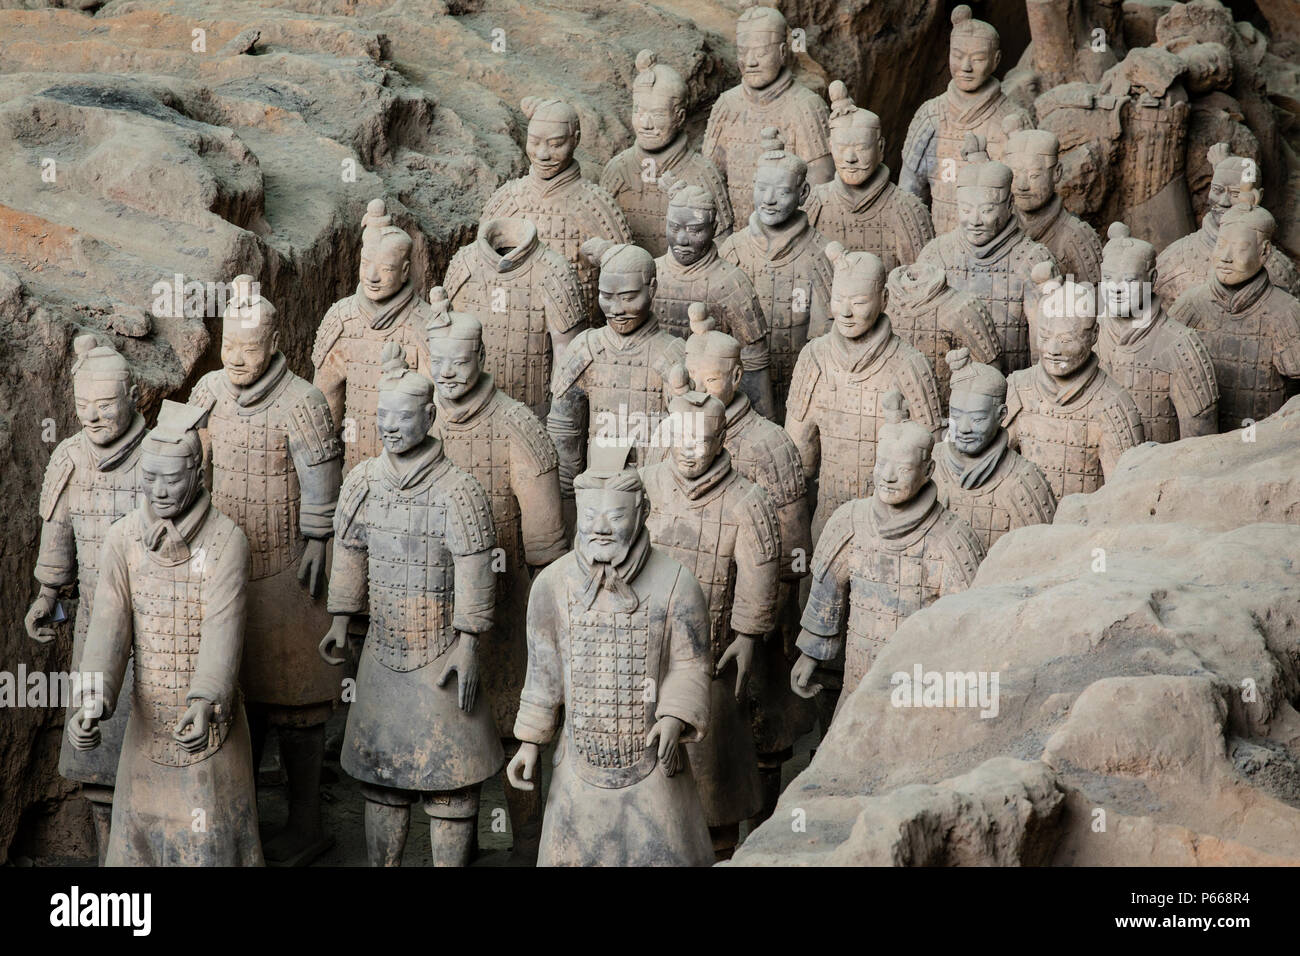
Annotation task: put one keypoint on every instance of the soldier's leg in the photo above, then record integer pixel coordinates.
(388, 818)
(525, 809)
(101, 814)
(453, 823)
(769, 783)
(302, 748)
(725, 838)
(258, 728)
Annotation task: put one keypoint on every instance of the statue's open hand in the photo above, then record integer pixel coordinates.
(667, 732)
(197, 717)
(311, 571)
(740, 650)
(801, 674)
(522, 766)
(335, 639)
(40, 618)
(464, 661)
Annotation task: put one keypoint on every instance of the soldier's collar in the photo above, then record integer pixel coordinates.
(470, 404)
(416, 468)
(634, 339)
(764, 97)
(1063, 391)
(169, 538)
(915, 291)
(701, 264)
(856, 354)
(1236, 299)
(669, 156)
(971, 472)
(561, 179)
(860, 198)
(997, 247)
(519, 235)
(382, 315)
(255, 394)
(1037, 223)
(615, 578)
(898, 521)
(107, 457)
(974, 107)
(776, 242)
(714, 475)
(1123, 331)
(740, 407)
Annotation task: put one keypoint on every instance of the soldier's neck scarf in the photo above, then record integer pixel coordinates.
(380, 315)
(620, 342)
(856, 354)
(859, 198)
(1062, 391)
(615, 578)
(897, 521)
(997, 247)
(108, 457)
(970, 109)
(560, 180)
(415, 467)
(468, 406)
(1124, 331)
(776, 242)
(169, 538)
(1235, 299)
(973, 472)
(1040, 221)
(740, 407)
(666, 158)
(696, 488)
(255, 394)
(518, 238)
(764, 97)
(702, 264)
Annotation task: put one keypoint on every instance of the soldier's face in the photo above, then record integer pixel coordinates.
(550, 146)
(973, 420)
(1065, 343)
(982, 212)
(625, 300)
(1033, 181)
(104, 408)
(247, 347)
(384, 270)
(1237, 254)
(777, 194)
(717, 376)
(457, 365)
(404, 421)
(902, 469)
(608, 523)
(761, 55)
(1225, 192)
(656, 120)
(1125, 287)
(169, 482)
(971, 61)
(690, 233)
(856, 301)
(697, 439)
(857, 151)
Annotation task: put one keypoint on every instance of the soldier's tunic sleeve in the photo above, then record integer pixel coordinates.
(1014, 407)
(819, 299)
(970, 324)
(788, 491)
(566, 422)
(684, 689)
(919, 152)
(471, 536)
(1286, 339)
(331, 373)
(204, 396)
(1121, 429)
(964, 552)
(535, 478)
(56, 561)
(1194, 391)
(318, 459)
(221, 632)
(543, 693)
(612, 179)
(112, 629)
(758, 566)
(748, 325)
(811, 127)
(800, 420)
(917, 383)
(562, 297)
(823, 616)
(349, 578)
(914, 229)
(711, 146)
(724, 219)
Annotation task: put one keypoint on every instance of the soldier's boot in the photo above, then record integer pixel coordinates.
(525, 809)
(101, 815)
(303, 839)
(769, 784)
(388, 818)
(453, 825)
(725, 838)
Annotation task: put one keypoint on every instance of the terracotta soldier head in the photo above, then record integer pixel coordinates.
(1232, 174)
(712, 358)
(553, 135)
(406, 409)
(249, 337)
(455, 348)
(857, 141)
(1245, 238)
(385, 254)
(658, 102)
(978, 403)
(857, 290)
(626, 288)
(1067, 322)
(983, 193)
(171, 460)
(974, 50)
(780, 182)
(762, 44)
(611, 506)
(699, 426)
(692, 219)
(1209, 67)
(1033, 156)
(1128, 271)
(102, 389)
(903, 447)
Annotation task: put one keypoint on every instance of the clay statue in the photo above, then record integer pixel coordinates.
(768, 96)
(783, 255)
(882, 558)
(618, 637)
(1161, 363)
(841, 377)
(860, 207)
(530, 303)
(980, 479)
(1250, 326)
(723, 528)
(171, 595)
(505, 447)
(632, 177)
(565, 208)
(1033, 155)
(933, 152)
(413, 542)
(1063, 46)
(936, 319)
(762, 451)
(612, 386)
(276, 466)
(988, 254)
(385, 308)
(1187, 262)
(693, 271)
(1066, 414)
(90, 482)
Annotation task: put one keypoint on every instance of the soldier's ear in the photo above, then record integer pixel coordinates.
(785, 52)
(929, 467)
(1002, 412)
(737, 373)
(651, 286)
(997, 58)
(679, 115)
(577, 136)
(1265, 247)
(406, 268)
(133, 394)
(803, 193)
(275, 340)
(1057, 172)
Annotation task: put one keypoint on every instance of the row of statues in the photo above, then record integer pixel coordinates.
(650, 478)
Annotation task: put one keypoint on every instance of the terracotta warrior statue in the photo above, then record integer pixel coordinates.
(276, 465)
(171, 595)
(842, 377)
(936, 319)
(989, 254)
(530, 303)
(783, 255)
(90, 482)
(763, 452)
(724, 529)
(1033, 156)
(612, 386)
(693, 271)
(1161, 363)
(1250, 326)
(565, 208)
(385, 308)
(933, 152)
(860, 207)
(881, 559)
(632, 177)
(1066, 414)
(413, 542)
(505, 447)
(980, 479)
(618, 638)
(767, 96)
(1189, 261)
